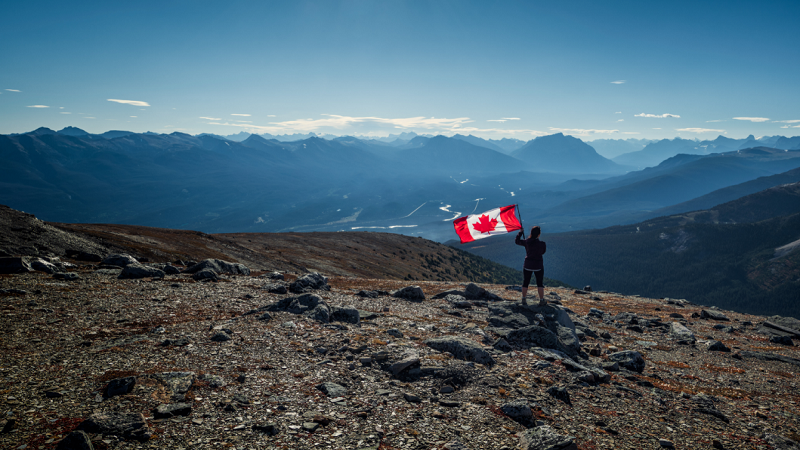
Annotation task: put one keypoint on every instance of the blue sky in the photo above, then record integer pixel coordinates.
(593, 69)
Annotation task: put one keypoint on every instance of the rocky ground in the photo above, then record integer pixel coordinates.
(177, 361)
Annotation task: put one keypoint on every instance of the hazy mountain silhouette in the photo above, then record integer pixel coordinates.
(611, 148)
(566, 154)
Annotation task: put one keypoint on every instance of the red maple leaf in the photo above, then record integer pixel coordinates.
(484, 225)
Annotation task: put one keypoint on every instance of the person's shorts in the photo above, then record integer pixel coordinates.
(539, 277)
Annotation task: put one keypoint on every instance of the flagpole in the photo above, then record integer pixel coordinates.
(520, 220)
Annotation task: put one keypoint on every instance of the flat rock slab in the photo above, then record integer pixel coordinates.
(76, 440)
(679, 331)
(461, 348)
(172, 410)
(629, 359)
(713, 315)
(332, 389)
(130, 426)
(545, 438)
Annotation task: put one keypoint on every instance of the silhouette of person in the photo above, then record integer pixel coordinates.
(534, 264)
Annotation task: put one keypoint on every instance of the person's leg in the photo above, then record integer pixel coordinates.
(540, 286)
(526, 281)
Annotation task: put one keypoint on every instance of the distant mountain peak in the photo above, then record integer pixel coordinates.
(42, 131)
(72, 131)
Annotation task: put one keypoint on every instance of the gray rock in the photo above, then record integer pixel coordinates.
(332, 389)
(276, 276)
(321, 313)
(169, 269)
(178, 383)
(66, 276)
(779, 442)
(394, 332)
(782, 340)
(502, 345)
(461, 348)
(346, 314)
(310, 426)
(135, 271)
(717, 346)
(410, 359)
(545, 438)
(76, 440)
(713, 315)
(220, 337)
(517, 409)
(266, 317)
(412, 293)
(559, 393)
(172, 410)
(43, 266)
(270, 429)
(274, 288)
(130, 426)
(219, 266)
(513, 321)
(309, 282)
(120, 386)
(214, 381)
(679, 331)
(119, 260)
(612, 367)
(205, 275)
(628, 359)
(542, 337)
(411, 398)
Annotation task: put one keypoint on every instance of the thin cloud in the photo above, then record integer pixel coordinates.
(134, 116)
(13, 90)
(619, 82)
(656, 128)
(715, 121)
(38, 106)
(129, 102)
(618, 112)
(630, 132)
(621, 120)
(210, 118)
(90, 117)
(657, 116)
(581, 131)
(786, 121)
(270, 115)
(241, 115)
(700, 130)
(511, 118)
(752, 119)
(62, 112)
(496, 120)
(791, 126)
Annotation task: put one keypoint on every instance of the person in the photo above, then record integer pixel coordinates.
(534, 264)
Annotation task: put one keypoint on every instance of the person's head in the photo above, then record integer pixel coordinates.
(535, 231)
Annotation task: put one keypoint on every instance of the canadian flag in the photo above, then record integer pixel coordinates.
(490, 223)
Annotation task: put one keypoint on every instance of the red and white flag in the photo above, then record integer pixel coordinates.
(490, 223)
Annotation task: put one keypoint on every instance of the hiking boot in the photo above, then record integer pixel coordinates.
(525, 302)
(542, 302)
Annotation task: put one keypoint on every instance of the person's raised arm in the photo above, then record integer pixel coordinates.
(518, 240)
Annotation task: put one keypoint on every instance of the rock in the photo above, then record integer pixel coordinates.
(512, 321)
(782, 340)
(628, 359)
(135, 271)
(43, 266)
(321, 313)
(80, 255)
(119, 260)
(612, 367)
(266, 317)
(502, 345)
(332, 389)
(779, 442)
(219, 266)
(131, 426)
(605, 335)
(175, 409)
(676, 316)
(372, 294)
(713, 315)
(177, 342)
(310, 426)
(76, 440)
(309, 282)
(455, 445)
(205, 275)
(178, 383)
(666, 443)
(411, 398)
(679, 331)
(346, 314)
(120, 386)
(221, 337)
(66, 276)
(585, 376)
(587, 288)
(447, 390)
(517, 409)
(542, 337)
(169, 269)
(394, 332)
(214, 381)
(475, 292)
(545, 438)
(15, 265)
(559, 393)
(717, 346)
(276, 276)
(765, 356)
(270, 429)
(410, 359)
(275, 288)
(461, 348)
(412, 293)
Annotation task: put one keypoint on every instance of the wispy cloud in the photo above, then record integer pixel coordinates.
(786, 121)
(656, 128)
(621, 120)
(511, 118)
(38, 106)
(210, 118)
(581, 131)
(791, 126)
(619, 82)
(657, 116)
(270, 115)
(241, 115)
(630, 132)
(87, 117)
(715, 121)
(63, 112)
(700, 130)
(134, 117)
(496, 120)
(618, 112)
(129, 102)
(752, 119)
(13, 90)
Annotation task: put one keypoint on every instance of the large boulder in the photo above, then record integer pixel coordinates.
(309, 305)
(136, 271)
(713, 315)
(545, 438)
(130, 426)
(563, 340)
(119, 259)
(219, 266)
(309, 282)
(346, 314)
(412, 293)
(15, 265)
(629, 359)
(475, 292)
(679, 331)
(410, 359)
(76, 440)
(43, 266)
(461, 348)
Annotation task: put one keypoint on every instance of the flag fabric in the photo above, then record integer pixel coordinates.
(490, 223)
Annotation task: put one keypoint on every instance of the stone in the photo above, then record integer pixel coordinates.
(276, 276)
(513, 321)
(177, 342)
(545, 438)
(136, 271)
(119, 260)
(782, 340)
(332, 389)
(346, 314)
(679, 331)
(178, 383)
(535, 335)
(717, 346)
(585, 376)
(628, 359)
(713, 315)
(517, 409)
(394, 332)
(765, 356)
(219, 266)
(411, 293)
(274, 288)
(372, 294)
(779, 442)
(559, 393)
(411, 398)
(120, 386)
(205, 275)
(43, 266)
(310, 426)
(270, 429)
(666, 443)
(76, 440)
(612, 367)
(169, 269)
(176, 409)
(66, 276)
(409, 360)
(266, 317)
(130, 426)
(221, 337)
(214, 381)
(502, 345)
(309, 282)
(461, 348)
(676, 316)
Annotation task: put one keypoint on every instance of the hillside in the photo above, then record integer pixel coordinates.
(560, 153)
(726, 256)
